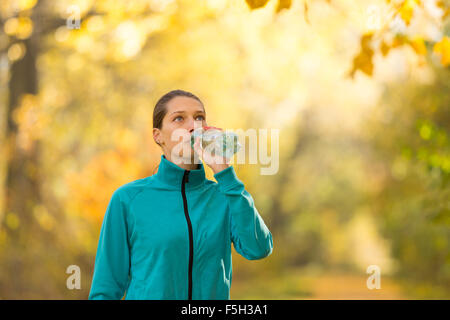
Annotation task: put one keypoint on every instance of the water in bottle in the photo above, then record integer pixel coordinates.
(226, 144)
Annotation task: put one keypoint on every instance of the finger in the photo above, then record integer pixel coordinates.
(197, 142)
(197, 146)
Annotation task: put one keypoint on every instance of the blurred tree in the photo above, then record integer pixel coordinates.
(22, 179)
(80, 100)
(409, 134)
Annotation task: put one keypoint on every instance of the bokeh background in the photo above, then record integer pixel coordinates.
(360, 92)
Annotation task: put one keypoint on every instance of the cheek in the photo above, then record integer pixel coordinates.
(172, 137)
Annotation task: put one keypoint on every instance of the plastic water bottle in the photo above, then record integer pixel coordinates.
(226, 144)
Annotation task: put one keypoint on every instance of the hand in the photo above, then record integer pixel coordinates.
(216, 163)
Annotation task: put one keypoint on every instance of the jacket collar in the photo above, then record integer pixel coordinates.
(171, 174)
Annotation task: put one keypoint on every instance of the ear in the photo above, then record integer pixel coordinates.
(156, 135)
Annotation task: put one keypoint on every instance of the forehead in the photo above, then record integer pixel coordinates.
(182, 103)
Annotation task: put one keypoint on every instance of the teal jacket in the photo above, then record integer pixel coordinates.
(169, 235)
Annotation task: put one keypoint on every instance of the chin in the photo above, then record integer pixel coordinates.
(187, 158)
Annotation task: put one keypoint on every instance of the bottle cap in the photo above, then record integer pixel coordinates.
(208, 127)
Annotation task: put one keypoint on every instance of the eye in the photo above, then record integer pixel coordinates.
(177, 118)
(203, 118)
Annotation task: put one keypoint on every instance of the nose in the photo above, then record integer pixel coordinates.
(194, 124)
(190, 128)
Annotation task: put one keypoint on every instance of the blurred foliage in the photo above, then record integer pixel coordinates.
(413, 150)
(358, 89)
(387, 28)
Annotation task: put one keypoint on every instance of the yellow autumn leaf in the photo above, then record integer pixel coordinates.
(384, 47)
(444, 7)
(418, 45)
(26, 4)
(363, 61)
(399, 40)
(255, 4)
(305, 10)
(283, 4)
(24, 28)
(407, 9)
(443, 49)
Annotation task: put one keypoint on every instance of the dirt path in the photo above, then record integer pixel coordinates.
(341, 286)
(298, 285)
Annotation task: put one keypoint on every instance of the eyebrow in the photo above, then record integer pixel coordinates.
(198, 111)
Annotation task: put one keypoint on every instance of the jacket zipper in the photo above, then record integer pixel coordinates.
(191, 241)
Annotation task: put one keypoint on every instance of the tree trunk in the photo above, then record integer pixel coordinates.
(22, 172)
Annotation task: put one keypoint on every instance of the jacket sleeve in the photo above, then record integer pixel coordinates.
(249, 234)
(112, 262)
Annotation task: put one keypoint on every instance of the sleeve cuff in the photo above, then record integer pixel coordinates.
(227, 178)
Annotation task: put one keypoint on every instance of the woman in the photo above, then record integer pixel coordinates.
(168, 236)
